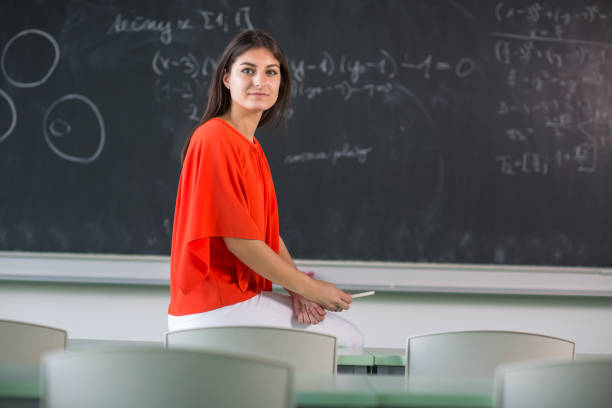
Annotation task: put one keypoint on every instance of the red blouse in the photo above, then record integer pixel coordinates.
(225, 190)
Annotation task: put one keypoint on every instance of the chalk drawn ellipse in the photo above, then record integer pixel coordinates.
(59, 128)
(11, 105)
(46, 76)
(50, 129)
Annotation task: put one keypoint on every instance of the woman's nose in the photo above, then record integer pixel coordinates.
(258, 81)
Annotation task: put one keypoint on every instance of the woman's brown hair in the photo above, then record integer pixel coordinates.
(219, 98)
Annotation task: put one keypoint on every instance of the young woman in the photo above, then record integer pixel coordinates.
(226, 247)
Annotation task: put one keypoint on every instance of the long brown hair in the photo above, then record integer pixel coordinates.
(219, 97)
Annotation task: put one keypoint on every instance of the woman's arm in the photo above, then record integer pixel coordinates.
(258, 256)
(283, 252)
(306, 312)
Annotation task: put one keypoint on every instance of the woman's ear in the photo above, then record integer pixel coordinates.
(226, 79)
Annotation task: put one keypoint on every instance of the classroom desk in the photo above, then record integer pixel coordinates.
(388, 360)
(396, 391)
(392, 361)
(354, 361)
(315, 390)
(20, 387)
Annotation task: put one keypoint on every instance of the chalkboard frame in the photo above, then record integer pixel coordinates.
(153, 270)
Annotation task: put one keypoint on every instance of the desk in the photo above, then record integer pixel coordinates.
(396, 391)
(354, 361)
(20, 387)
(393, 360)
(315, 390)
(388, 360)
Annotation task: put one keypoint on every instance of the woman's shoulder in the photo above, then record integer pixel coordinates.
(211, 131)
(215, 136)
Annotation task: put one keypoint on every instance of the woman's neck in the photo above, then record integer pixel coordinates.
(245, 123)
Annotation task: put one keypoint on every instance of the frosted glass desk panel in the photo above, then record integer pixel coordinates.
(315, 390)
(399, 391)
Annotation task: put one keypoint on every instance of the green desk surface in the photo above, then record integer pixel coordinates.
(354, 357)
(398, 391)
(388, 356)
(19, 381)
(392, 391)
(397, 356)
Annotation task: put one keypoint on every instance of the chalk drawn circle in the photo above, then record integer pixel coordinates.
(465, 67)
(60, 128)
(13, 115)
(32, 84)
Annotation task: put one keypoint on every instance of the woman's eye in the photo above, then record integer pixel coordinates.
(247, 71)
(272, 72)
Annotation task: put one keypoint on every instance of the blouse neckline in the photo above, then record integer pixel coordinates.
(254, 143)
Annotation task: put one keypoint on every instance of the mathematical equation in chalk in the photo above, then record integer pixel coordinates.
(583, 157)
(542, 12)
(556, 85)
(205, 20)
(555, 55)
(353, 69)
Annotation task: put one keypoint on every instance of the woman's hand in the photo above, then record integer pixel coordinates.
(258, 256)
(329, 296)
(306, 312)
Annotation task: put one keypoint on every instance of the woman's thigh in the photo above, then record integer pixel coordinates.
(271, 309)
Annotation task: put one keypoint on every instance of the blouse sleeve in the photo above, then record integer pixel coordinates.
(213, 203)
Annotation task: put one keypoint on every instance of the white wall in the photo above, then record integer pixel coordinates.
(138, 312)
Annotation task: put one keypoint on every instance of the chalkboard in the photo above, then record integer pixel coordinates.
(462, 131)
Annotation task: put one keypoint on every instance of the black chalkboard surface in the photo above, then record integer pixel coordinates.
(421, 131)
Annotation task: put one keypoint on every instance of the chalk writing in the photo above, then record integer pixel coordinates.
(387, 66)
(20, 36)
(186, 76)
(209, 20)
(184, 90)
(142, 24)
(219, 20)
(462, 68)
(347, 152)
(192, 66)
(525, 163)
(344, 89)
(537, 12)
(544, 60)
(584, 156)
(545, 106)
(187, 65)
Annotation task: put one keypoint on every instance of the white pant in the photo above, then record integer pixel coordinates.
(269, 309)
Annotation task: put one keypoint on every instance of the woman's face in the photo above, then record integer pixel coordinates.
(254, 80)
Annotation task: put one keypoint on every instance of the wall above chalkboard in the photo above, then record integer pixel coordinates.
(439, 131)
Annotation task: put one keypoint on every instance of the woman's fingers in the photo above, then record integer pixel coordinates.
(332, 298)
(318, 311)
(343, 303)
